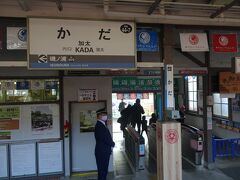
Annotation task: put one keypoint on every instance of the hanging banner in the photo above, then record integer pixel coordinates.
(9, 118)
(80, 44)
(225, 42)
(194, 42)
(16, 38)
(147, 41)
(37, 84)
(1, 38)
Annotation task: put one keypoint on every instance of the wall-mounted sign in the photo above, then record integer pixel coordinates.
(9, 118)
(194, 42)
(169, 92)
(147, 41)
(16, 38)
(192, 72)
(229, 82)
(127, 84)
(225, 42)
(87, 95)
(80, 44)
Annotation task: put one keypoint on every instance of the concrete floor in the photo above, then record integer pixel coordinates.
(122, 170)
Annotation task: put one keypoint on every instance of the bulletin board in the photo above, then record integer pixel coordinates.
(30, 122)
(4, 161)
(50, 157)
(23, 159)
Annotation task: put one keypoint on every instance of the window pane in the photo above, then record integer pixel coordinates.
(216, 98)
(190, 107)
(195, 106)
(190, 86)
(190, 96)
(217, 109)
(195, 96)
(225, 110)
(195, 86)
(224, 100)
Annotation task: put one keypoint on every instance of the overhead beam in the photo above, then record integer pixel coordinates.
(191, 57)
(224, 8)
(59, 5)
(23, 4)
(153, 7)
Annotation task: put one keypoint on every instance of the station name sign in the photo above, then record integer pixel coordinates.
(80, 44)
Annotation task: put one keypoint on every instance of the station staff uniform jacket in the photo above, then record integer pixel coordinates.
(103, 149)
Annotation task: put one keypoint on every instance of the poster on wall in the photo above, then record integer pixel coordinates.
(87, 121)
(50, 157)
(100, 45)
(4, 161)
(87, 95)
(16, 38)
(147, 41)
(9, 118)
(42, 119)
(7, 85)
(1, 38)
(37, 121)
(225, 42)
(37, 84)
(194, 42)
(229, 82)
(23, 159)
(5, 135)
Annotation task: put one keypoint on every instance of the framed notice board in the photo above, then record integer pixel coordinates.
(50, 157)
(3, 161)
(23, 160)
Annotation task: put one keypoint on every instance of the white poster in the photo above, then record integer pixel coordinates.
(50, 157)
(23, 159)
(3, 161)
(87, 95)
(237, 64)
(16, 38)
(169, 93)
(100, 44)
(194, 42)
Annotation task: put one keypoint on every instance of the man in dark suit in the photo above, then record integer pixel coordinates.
(104, 144)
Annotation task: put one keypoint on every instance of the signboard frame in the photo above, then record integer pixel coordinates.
(38, 163)
(119, 65)
(11, 159)
(7, 161)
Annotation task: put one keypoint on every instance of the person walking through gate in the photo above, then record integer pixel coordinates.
(144, 125)
(121, 106)
(104, 144)
(137, 111)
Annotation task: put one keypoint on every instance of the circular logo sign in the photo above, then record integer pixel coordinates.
(223, 40)
(171, 136)
(193, 39)
(126, 28)
(144, 37)
(22, 34)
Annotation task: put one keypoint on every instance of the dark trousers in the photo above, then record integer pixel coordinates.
(139, 127)
(102, 165)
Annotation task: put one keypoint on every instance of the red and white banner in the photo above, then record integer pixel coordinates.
(194, 42)
(225, 42)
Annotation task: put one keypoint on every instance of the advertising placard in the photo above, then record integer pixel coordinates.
(225, 42)
(16, 38)
(9, 118)
(194, 42)
(147, 41)
(80, 44)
